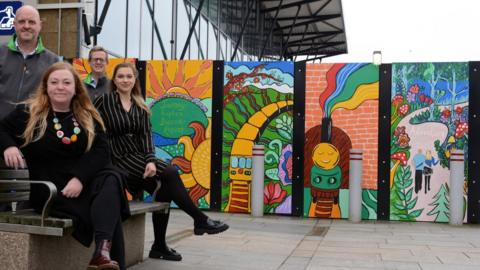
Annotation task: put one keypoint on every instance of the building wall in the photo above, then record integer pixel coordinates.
(64, 38)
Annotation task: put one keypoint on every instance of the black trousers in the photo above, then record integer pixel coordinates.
(418, 180)
(106, 218)
(173, 189)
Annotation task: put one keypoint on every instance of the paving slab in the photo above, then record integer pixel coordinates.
(292, 243)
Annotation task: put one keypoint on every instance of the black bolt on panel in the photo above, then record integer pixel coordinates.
(142, 75)
(384, 104)
(474, 144)
(298, 138)
(217, 134)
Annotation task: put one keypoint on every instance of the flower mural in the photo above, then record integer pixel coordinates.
(285, 165)
(401, 137)
(273, 194)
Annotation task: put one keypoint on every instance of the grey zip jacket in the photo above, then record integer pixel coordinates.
(19, 77)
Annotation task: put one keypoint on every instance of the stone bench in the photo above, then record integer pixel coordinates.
(38, 242)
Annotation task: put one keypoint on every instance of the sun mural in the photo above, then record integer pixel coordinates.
(179, 94)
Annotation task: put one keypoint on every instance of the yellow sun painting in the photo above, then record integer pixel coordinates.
(185, 86)
(192, 78)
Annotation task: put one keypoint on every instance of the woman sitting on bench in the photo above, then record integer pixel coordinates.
(126, 117)
(61, 135)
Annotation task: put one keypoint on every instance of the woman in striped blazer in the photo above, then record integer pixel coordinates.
(127, 120)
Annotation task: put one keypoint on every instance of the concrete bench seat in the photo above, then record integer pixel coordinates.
(32, 241)
(28, 221)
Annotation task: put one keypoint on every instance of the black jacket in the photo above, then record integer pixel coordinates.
(49, 159)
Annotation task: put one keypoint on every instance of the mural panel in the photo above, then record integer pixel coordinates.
(258, 107)
(179, 94)
(341, 112)
(429, 118)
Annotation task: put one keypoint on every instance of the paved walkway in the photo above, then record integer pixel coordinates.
(287, 243)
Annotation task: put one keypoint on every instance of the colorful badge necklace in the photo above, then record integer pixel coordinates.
(61, 135)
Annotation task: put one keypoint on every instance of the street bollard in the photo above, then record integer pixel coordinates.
(457, 165)
(355, 185)
(258, 173)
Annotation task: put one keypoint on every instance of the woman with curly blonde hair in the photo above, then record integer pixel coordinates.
(62, 138)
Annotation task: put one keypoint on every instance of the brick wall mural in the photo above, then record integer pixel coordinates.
(257, 109)
(429, 118)
(341, 112)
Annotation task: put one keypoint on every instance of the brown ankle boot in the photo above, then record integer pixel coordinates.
(101, 260)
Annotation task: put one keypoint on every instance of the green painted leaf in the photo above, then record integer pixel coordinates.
(399, 206)
(412, 203)
(408, 182)
(285, 134)
(407, 174)
(409, 195)
(272, 173)
(416, 213)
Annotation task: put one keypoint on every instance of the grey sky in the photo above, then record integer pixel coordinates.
(411, 30)
(404, 30)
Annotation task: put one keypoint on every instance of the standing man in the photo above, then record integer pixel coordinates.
(419, 163)
(97, 82)
(22, 60)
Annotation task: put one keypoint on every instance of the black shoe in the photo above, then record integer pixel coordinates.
(170, 254)
(210, 227)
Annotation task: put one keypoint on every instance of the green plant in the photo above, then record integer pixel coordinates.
(405, 202)
(441, 205)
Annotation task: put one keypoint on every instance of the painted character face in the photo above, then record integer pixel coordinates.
(322, 179)
(325, 156)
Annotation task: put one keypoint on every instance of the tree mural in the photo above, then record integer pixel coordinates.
(440, 205)
(429, 113)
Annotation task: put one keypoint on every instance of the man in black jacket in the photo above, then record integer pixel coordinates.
(97, 82)
(23, 59)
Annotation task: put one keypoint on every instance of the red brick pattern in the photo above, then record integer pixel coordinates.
(361, 124)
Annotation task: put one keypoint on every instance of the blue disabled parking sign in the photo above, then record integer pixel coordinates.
(7, 15)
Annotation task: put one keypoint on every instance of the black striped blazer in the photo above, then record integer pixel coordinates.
(129, 134)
